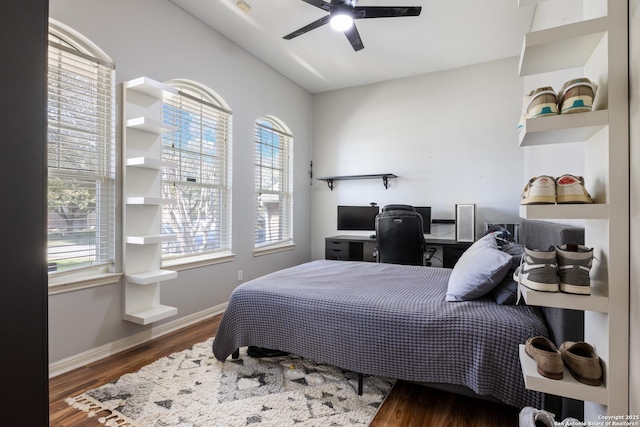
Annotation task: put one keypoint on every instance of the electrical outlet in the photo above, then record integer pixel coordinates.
(239, 275)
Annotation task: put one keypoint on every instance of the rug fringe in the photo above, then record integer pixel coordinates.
(92, 407)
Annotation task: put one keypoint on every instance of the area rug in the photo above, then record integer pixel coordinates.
(192, 389)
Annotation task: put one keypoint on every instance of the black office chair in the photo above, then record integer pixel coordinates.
(400, 236)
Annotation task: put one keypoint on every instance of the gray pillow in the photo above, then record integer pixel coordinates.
(507, 291)
(478, 271)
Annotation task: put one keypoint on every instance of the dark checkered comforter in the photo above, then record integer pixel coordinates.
(386, 320)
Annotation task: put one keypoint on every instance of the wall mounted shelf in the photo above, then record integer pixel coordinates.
(385, 178)
(142, 211)
(563, 128)
(597, 301)
(568, 211)
(567, 386)
(558, 48)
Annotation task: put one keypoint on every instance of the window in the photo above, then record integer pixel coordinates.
(81, 155)
(201, 182)
(273, 186)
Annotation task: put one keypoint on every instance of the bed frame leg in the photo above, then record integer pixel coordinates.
(235, 354)
(360, 380)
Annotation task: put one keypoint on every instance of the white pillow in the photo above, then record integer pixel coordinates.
(478, 271)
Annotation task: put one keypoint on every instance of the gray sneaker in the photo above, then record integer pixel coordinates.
(538, 270)
(532, 417)
(574, 265)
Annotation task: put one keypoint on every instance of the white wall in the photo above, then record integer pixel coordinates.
(450, 137)
(155, 38)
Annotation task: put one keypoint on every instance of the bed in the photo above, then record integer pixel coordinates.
(385, 320)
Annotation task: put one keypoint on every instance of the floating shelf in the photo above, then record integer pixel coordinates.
(558, 48)
(151, 276)
(151, 87)
(565, 211)
(144, 200)
(150, 315)
(150, 163)
(597, 301)
(151, 239)
(150, 125)
(385, 178)
(524, 3)
(567, 386)
(576, 127)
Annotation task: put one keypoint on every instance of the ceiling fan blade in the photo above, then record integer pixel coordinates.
(320, 4)
(385, 12)
(315, 24)
(354, 38)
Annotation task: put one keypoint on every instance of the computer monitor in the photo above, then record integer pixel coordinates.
(425, 213)
(357, 217)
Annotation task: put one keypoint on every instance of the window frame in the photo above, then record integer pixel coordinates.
(285, 239)
(66, 43)
(194, 93)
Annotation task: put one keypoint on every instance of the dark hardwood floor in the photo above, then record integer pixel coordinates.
(407, 404)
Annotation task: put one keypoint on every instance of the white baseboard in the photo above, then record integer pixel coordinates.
(93, 355)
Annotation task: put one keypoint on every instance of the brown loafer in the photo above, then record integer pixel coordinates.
(547, 357)
(582, 361)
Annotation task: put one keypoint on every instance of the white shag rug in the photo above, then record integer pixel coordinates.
(192, 389)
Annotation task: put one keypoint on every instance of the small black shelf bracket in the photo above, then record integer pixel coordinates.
(385, 178)
(330, 184)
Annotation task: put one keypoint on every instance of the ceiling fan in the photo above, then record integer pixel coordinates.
(342, 13)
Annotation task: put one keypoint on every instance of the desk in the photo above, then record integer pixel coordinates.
(362, 248)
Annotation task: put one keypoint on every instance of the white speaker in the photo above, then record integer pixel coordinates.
(466, 223)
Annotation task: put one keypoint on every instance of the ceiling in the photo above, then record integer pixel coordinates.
(447, 34)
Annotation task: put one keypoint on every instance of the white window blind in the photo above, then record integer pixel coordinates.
(81, 159)
(201, 183)
(273, 184)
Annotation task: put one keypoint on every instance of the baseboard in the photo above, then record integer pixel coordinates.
(93, 355)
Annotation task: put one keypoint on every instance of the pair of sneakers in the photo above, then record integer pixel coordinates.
(564, 268)
(546, 189)
(532, 417)
(575, 96)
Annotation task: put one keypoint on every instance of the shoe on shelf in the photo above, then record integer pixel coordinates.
(539, 190)
(582, 361)
(539, 103)
(538, 270)
(570, 189)
(532, 417)
(547, 357)
(577, 95)
(574, 265)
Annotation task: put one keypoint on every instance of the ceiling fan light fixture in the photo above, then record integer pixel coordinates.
(341, 21)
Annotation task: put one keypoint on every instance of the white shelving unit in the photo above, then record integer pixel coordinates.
(142, 212)
(599, 47)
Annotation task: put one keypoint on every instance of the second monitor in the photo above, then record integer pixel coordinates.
(425, 213)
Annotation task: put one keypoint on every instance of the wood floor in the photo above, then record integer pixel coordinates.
(407, 405)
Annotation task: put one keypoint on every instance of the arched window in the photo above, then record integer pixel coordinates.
(81, 154)
(201, 183)
(273, 183)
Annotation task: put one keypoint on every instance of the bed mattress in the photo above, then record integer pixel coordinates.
(386, 320)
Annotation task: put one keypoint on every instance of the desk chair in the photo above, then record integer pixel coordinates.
(399, 236)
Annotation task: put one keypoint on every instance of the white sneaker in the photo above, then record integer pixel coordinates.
(577, 95)
(570, 189)
(532, 417)
(539, 190)
(538, 103)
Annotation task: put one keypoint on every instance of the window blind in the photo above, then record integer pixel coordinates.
(273, 185)
(201, 183)
(80, 160)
